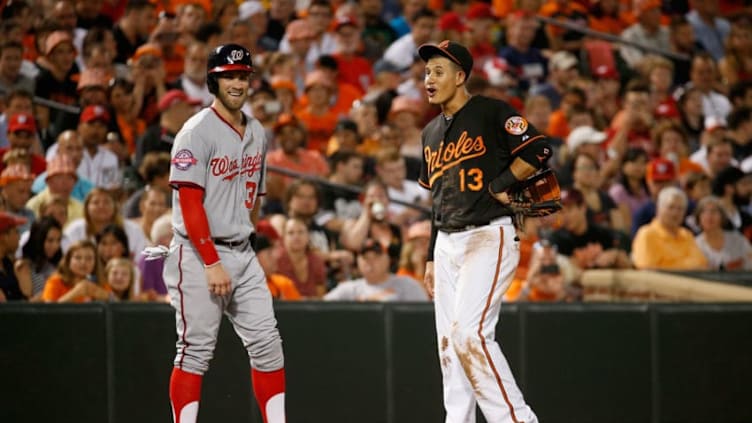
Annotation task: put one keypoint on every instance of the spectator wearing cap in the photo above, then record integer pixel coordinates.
(727, 188)
(61, 179)
(608, 91)
(405, 114)
(175, 108)
(587, 244)
(422, 26)
(481, 22)
(290, 136)
(193, 79)
(726, 250)
(149, 77)
(22, 133)
(56, 80)
(11, 78)
(740, 132)
(527, 61)
(318, 19)
(377, 34)
(15, 278)
(387, 79)
(660, 173)
(133, 28)
(69, 144)
(345, 138)
(582, 140)
(378, 284)
(317, 116)
(338, 203)
(709, 27)
(98, 165)
(671, 143)
(352, 68)
(562, 70)
(664, 244)
(452, 26)
(280, 286)
(16, 101)
(646, 31)
(15, 182)
(300, 37)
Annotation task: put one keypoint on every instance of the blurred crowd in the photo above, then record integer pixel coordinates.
(652, 144)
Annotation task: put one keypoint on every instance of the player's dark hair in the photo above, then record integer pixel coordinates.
(33, 250)
(118, 232)
(738, 116)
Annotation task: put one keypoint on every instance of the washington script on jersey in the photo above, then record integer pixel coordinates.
(229, 168)
(452, 153)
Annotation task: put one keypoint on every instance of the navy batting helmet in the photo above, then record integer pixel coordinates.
(227, 58)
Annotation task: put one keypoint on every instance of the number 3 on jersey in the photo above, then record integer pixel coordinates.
(471, 179)
(250, 188)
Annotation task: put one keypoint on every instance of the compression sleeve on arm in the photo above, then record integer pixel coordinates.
(196, 223)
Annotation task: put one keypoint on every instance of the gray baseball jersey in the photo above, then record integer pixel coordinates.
(208, 153)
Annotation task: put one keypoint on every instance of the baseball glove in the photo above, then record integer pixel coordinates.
(537, 196)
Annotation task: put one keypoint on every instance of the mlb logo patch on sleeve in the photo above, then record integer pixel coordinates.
(183, 160)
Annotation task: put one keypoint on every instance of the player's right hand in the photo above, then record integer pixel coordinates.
(217, 279)
(428, 278)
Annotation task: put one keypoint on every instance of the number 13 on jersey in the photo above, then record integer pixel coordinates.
(471, 179)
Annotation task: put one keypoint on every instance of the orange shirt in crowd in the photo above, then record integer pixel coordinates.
(346, 95)
(354, 70)
(309, 162)
(130, 132)
(55, 288)
(656, 248)
(608, 24)
(320, 128)
(282, 288)
(558, 125)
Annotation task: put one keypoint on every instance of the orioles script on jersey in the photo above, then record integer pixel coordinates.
(221, 166)
(452, 153)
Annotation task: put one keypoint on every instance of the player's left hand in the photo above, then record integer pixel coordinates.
(217, 279)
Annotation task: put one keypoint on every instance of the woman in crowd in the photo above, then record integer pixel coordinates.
(43, 251)
(153, 204)
(297, 260)
(100, 211)
(631, 188)
(601, 209)
(112, 242)
(78, 277)
(724, 249)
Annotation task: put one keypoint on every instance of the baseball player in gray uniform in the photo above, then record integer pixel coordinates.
(217, 174)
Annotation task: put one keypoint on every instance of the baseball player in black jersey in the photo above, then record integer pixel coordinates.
(474, 154)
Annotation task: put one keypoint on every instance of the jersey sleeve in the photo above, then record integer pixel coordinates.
(517, 131)
(189, 160)
(259, 131)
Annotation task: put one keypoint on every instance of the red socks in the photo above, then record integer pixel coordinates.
(269, 388)
(185, 393)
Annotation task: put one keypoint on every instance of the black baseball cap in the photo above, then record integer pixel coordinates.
(455, 52)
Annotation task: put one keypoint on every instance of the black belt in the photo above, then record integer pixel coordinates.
(454, 229)
(229, 243)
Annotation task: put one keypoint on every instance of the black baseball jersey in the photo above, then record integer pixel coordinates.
(463, 154)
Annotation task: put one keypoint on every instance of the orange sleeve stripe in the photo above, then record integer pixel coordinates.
(524, 144)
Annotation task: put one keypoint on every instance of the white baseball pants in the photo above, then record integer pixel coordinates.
(472, 269)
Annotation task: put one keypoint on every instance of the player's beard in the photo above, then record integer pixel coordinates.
(232, 103)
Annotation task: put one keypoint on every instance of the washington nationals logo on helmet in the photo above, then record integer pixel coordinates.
(516, 125)
(183, 160)
(236, 55)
